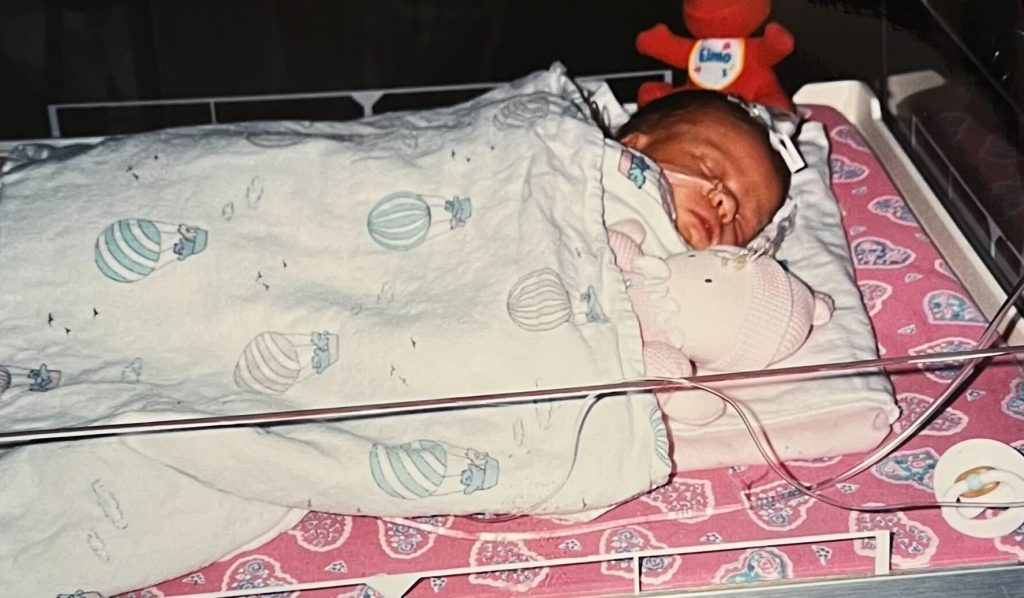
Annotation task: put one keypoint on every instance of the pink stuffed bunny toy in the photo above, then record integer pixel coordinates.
(718, 309)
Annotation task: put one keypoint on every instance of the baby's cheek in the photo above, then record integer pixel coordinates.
(692, 234)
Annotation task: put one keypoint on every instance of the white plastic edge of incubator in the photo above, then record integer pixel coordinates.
(855, 101)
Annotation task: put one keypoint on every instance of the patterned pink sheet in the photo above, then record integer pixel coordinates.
(916, 306)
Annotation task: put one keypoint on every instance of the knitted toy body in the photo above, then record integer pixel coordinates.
(719, 309)
(661, 358)
(723, 57)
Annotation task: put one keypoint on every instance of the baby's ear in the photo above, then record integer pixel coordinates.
(634, 140)
(632, 229)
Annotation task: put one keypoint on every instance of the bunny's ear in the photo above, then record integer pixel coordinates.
(654, 269)
(655, 274)
(824, 305)
(632, 229)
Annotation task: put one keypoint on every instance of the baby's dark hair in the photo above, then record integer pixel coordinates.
(665, 111)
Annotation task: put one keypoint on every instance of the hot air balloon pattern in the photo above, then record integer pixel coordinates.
(269, 139)
(273, 362)
(639, 172)
(521, 112)
(39, 379)
(540, 301)
(131, 249)
(402, 221)
(424, 468)
(634, 168)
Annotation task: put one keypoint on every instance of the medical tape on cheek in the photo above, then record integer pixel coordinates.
(668, 196)
(711, 190)
(685, 179)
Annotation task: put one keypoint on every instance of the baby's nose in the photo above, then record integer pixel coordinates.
(725, 203)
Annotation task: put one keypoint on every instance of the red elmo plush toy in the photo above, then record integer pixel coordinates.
(724, 58)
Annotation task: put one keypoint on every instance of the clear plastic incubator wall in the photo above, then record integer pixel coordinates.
(330, 299)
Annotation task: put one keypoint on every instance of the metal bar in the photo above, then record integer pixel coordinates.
(883, 551)
(316, 95)
(51, 113)
(212, 101)
(377, 409)
(636, 556)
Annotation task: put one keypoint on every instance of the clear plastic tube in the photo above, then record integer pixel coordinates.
(988, 337)
(772, 459)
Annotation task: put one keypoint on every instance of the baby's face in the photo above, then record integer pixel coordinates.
(725, 187)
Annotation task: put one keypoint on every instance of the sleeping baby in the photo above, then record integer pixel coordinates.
(721, 173)
(724, 174)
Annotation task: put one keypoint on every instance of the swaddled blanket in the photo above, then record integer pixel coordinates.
(239, 269)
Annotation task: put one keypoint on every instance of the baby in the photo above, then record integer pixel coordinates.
(726, 178)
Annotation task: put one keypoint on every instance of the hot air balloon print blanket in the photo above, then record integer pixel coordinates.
(278, 266)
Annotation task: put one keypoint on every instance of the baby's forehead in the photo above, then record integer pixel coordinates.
(722, 141)
(720, 118)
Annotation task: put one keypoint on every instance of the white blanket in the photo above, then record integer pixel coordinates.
(240, 269)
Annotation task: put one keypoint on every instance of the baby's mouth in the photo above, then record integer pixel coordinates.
(706, 227)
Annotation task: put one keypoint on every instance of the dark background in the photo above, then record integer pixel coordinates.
(86, 50)
(56, 51)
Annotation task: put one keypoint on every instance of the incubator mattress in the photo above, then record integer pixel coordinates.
(916, 306)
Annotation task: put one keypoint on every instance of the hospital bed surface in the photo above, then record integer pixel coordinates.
(916, 306)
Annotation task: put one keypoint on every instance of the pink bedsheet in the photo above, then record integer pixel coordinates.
(916, 306)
